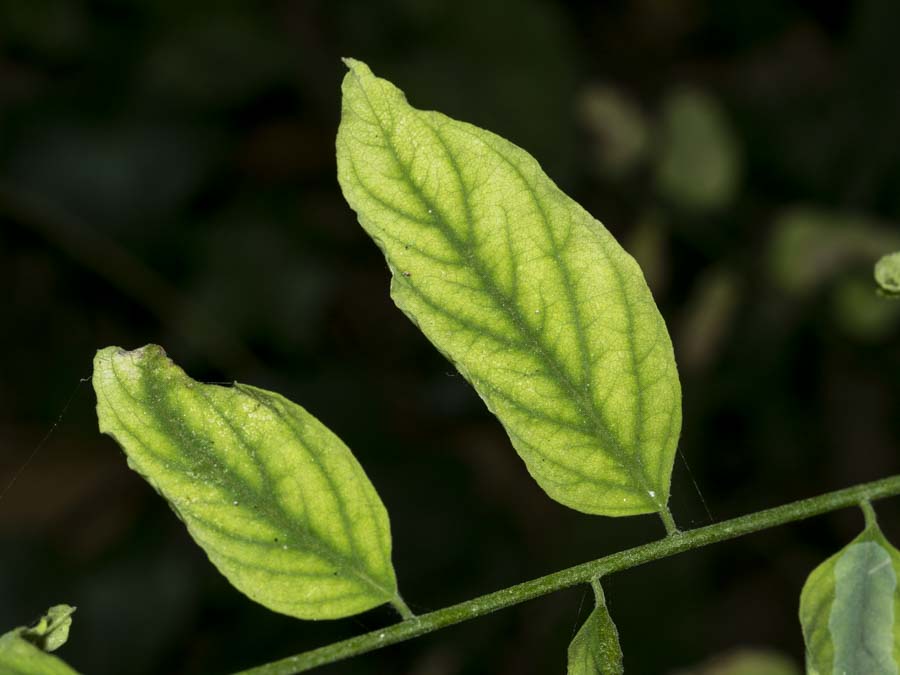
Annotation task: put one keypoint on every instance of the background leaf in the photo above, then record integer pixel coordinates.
(276, 500)
(526, 293)
(850, 609)
(699, 164)
(812, 246)
(745, 661)
(595, 648)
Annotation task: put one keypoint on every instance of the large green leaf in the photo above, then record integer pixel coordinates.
(276, 500)
(850, 609)
(595, 648)
(524, 291)
(23, 650)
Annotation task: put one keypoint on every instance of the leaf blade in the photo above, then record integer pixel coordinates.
(850, 609)
(277, 501)
(527, 294)
(595, 649)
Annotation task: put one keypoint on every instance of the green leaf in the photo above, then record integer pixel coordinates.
(52, 630)
(811, 246)
(23, 650)
(525, 292)
(699, 166)
(861, 313)
(277, 501)
(618, 129)
(595, 648)
(887, 274)
(850, 609)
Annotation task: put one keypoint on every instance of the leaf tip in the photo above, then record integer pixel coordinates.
(357, 67)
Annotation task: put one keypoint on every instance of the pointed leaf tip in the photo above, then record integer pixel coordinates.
(277, 501)
(526, 293)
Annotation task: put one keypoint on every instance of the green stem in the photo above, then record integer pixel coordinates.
(869, 513)
(598, 591)
(402, 608)
(580, 574)
(666, 515)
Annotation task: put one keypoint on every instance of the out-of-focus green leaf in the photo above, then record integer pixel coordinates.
(23, 650)
(746, 662)
(528, 295)
(699, 164)
(619, 133)
(887, 274)
(55, 29)
(708, 315)
(277, 501)
(861, 313)
(595, 648)
(850, 609)
(811, 246)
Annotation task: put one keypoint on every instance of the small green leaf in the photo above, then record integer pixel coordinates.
(595, 648)
(52, 630)
(699, 167)
(23, 650)
(277, 501)
(525, 292)
(618, 129)
(850, 609)
(887, 274)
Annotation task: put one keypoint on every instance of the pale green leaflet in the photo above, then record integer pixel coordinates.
(525, 292)
(276, 500)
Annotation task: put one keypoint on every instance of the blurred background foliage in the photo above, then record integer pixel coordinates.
(167, 175)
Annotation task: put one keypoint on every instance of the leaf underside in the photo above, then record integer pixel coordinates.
(523, 291)
(595, 648)
(277, 501)
(850, 609)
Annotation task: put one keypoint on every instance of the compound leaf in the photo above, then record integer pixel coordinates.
(525, 292)
(277, 501)
(595, 648)
(23, 650)
(850, 609)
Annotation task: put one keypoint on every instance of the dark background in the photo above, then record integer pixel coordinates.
(167, 175)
